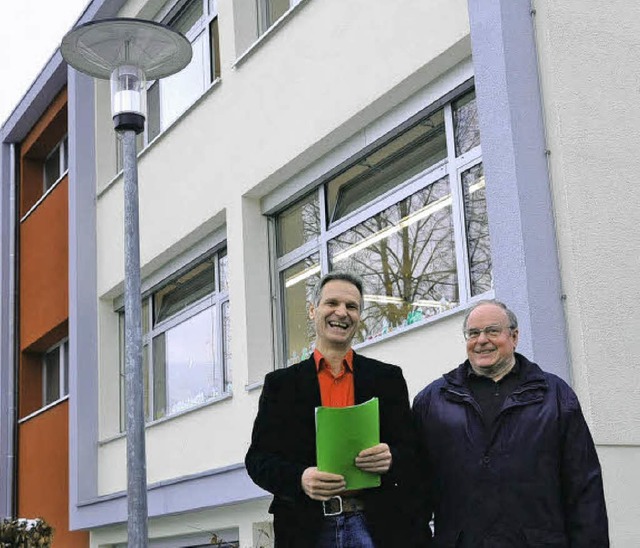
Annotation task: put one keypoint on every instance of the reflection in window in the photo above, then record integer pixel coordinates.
(299, 281)
(409, 216)
(186, 340)
(416, 150)
(477, 226)
(184, 365)
(298, 224)
(269, 11)
(183, 291)
(406, 258)
(465, 123)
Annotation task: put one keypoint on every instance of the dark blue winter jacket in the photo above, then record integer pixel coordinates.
(534, 480)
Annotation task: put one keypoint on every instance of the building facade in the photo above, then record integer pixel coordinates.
(446, 151)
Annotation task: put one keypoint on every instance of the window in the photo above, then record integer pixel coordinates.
(185, 325)
(408, 216)
(56, 164)
(55, 373)
(168, 98)
(269, 11)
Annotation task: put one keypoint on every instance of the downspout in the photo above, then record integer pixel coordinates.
(547, 153)
(12, 332)
(8, 311)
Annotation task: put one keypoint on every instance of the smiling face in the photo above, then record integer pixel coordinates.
(491, 357)
(337, 315)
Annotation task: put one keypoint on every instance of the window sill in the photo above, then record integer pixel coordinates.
(161, 135)
(156, 422)
(43, 409)
(254, 386)
(266, 35)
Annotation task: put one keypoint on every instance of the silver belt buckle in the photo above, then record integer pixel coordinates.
(327, 511)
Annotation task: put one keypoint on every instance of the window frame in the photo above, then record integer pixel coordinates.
(453, 166)
(61, 150)
(62, 348)
(217, 299)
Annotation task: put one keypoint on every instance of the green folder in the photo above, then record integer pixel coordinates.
(341, 433)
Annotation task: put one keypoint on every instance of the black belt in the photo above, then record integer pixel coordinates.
(341, 505)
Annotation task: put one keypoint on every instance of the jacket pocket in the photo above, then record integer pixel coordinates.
(545, 538)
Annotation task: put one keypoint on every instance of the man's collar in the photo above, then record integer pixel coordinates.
(515, 370)
(320, 361)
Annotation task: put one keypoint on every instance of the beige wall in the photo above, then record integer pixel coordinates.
(589, 63)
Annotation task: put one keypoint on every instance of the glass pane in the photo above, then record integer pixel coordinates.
(298, 283)
(188, 17)
(465, 123)
(185, 370)
(223, 267)
(146, 380)
(123, 395)
(406, 258)
(52, 169)
(181, 90)
(214, 53)
(275, 10)
(153, 111)
(65, 354)
(184, 290)
(145, 315)
(226, 327)
(478, 246)
(65, 154)
(412, 152)
(298, 224)
(52, 376)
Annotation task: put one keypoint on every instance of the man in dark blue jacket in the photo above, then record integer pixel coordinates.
(508, 456)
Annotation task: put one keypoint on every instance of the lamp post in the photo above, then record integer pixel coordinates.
(128, 52)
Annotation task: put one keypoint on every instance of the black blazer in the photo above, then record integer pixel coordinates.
(283, 445)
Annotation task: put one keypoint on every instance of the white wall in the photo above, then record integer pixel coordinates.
(590, 61)
(331, 70)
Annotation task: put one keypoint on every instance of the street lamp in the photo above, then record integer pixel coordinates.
(129, 52)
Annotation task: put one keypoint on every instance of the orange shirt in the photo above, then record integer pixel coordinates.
(335, 391)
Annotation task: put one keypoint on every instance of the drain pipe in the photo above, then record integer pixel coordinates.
(8, 343)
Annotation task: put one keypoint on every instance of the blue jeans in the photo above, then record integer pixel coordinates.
(345, 531)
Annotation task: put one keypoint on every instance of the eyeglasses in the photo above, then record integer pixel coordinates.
(491, 331)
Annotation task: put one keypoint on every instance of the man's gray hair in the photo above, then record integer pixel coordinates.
(342, 276)
(513, 319)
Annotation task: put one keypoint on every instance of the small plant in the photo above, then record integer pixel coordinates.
(25, 533)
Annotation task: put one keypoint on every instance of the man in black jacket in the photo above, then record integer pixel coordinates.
(508, 456)
(310, 507)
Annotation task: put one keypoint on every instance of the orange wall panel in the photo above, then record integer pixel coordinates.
(44, 269)
(30, 383)
(43, 474)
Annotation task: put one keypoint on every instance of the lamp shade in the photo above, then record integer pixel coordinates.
(129, 52)
(99, 47)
